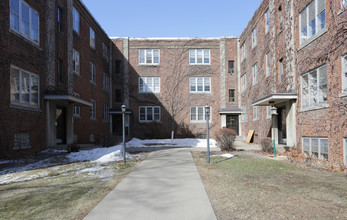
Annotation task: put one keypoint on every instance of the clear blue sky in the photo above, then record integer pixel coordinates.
(173, 18)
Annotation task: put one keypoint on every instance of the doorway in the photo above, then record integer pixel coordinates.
(61, 125)
(282, 125)
(233, 122)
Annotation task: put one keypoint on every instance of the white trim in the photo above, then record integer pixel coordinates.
(344, 73)
(145, 51)
(319, 150)
(68, 98)
(195, 57)
(254, 37)
(255, 113)
(147, 89)
(345, 151)
(93, 110)
(146, 111)
(76, 20)
(77, 59)
(92, 40)
(275, 97)
(203, 85)
(255, 74)
(197, 114)
(267, 64)
(92, 73)
(177, 38)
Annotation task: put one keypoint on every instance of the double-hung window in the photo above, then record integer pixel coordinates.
(345, 151)
(244, 82)
(344, 3)
(92, 38)
(76, 61)
(281, 70)
(25, 21)
(93, 110)
(316, 147)
(268, 112)
(267, 61)
(77, 108)
(149, 85)
(243, 52)
(200, 84)
(314, 87)
(149, 113)
(76, 20)
(105, 52)
(255, 74)
(60, 19)
(312, 20)
(149, 56)
(244, 113)
(198, 114)
(92, 73)
(231, 95)
(255, 113)
(199, 56)
(344, 73)
(231, 67)
(254, 37)
(24, 88)
(105, 113)
(106, 82)
(267, 21)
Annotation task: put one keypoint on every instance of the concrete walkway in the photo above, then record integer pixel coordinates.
(166, 186)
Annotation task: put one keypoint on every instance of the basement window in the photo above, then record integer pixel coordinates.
(316, 148)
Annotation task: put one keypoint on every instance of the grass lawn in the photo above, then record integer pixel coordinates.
(65, 192)
(253, 187)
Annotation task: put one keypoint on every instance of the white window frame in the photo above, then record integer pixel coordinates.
(307, 151)
(255, 113)
(244, 82)
(319, 94)
(205, 54)
(244, 113)
(206, 82)
(197, 120)
(254, 37)
(143, 53)
(92, 71)
(267, 21)
(243, 51)
(255, 74)
(345, 151)
(232, 97)
(92, 37)
(344, 73)
(152, 108)
(304, 14)
(93, 110)
(105, 54)
(17, 88)
(147, 85)
(106, 82)
(105, 113)
(76, 108)
(76, 61)
(268, 112)
(32, 28)
(281, 69)
(343, 3)
(76, 20)
(267, 64)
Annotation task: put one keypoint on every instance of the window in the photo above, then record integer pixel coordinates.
(280, 15)
(344, 3)
(316, 148)
(200, 84)
(118, 66)
(60, 19)
(281, 70)
(77, 108)
(314, 87)
(149, 56)
(312, 20)
(149, 84)
(243, 52)
(76, 20)
(118, 95)
(244, 113)
(76, 61)
(60, 71)
(92, 38)
(25, 21)
(254, 37)
(105, 81)
(255, 74)
(21, 141)
(199, 56)
(93, 110)
(197, 114)
(345, 151)
(267, 61)
(105, 52)
(267, 21)
(244, 82)
(231, 95)
(255, 113)
(231, 67)
(92, 73)
(105, 115)
(268, 110)
(344, 73)
(24, 88)
(149, 113)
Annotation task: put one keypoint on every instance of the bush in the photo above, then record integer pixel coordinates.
(267, 145)
(74, 147)
(108, 141)
(225, 139)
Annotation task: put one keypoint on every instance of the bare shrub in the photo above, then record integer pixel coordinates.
(266, 145)
(74, 147)
(225, 139)
(108, 140)
(183, 131)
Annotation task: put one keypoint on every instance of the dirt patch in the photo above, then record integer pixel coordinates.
(251, 186)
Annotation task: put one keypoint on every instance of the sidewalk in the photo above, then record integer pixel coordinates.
(166, 186)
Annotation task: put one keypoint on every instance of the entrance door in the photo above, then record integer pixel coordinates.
(233, 123)
(117, 124)
(282, 126)
(61, 125)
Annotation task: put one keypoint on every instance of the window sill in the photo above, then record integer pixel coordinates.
(307, 109)
(199, 64)
(200, 92)
(77, 74)
(93, 83)
(25, 39)
(25, 107)
(199, 122)
(322, 32)
(149, 64)
(343, 94)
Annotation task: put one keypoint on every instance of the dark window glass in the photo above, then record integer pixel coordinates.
(118, 95)
(231, 95)
(60, 71)
(231, 66)
(118, 66)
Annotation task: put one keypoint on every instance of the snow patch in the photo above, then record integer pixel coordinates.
(224, 155)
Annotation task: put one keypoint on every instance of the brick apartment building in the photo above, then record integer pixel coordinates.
(55, 70)
(170, 81)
